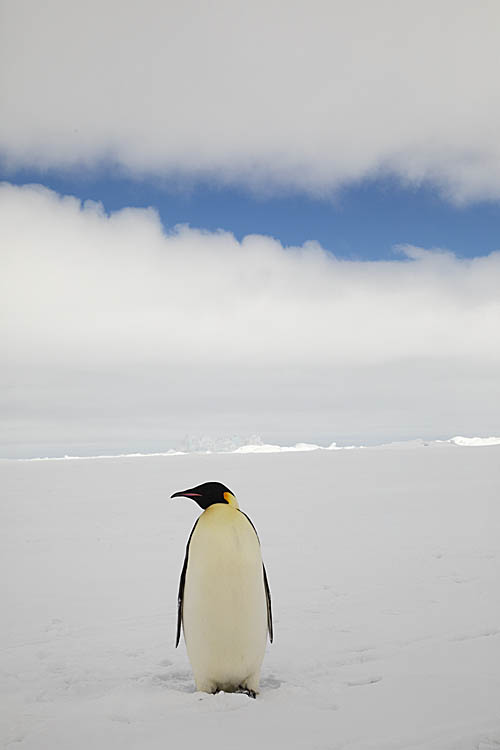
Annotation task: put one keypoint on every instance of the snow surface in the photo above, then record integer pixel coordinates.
(475, 442)
(260, 447)
(384, 568)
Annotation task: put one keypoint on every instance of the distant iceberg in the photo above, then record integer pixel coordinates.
(475, 442)
(266, 448)
(259, 447)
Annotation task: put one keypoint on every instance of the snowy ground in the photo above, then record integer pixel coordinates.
(385, 571)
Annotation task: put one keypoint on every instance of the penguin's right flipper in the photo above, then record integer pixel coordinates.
(180, 595)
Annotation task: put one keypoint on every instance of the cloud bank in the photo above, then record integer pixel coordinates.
(303, 95)
(121, 337)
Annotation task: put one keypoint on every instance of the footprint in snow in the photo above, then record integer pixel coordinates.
(362, 683)
(178, 680)
(120, 719)
(270, 683)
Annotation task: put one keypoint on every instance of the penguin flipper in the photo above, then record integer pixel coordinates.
(266, 586)
(269, 609)
(182, 581)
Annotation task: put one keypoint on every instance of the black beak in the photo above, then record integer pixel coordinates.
(186, 493)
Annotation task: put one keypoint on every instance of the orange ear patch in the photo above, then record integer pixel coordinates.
(230, 499)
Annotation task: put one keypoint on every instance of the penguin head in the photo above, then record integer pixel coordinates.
(208, 494)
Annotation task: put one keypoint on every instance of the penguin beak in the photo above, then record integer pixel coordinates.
(185, 493)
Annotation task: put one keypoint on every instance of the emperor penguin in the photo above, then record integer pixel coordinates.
(224, 601)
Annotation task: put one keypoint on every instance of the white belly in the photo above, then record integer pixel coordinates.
(225, 609)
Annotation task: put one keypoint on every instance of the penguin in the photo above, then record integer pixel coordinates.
(224, 601)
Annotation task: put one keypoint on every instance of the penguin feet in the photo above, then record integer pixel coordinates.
(246, 691)
(213, 689)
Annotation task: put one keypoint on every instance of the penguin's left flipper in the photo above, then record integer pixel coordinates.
(266, 586)
(182, 581)
(268, 600)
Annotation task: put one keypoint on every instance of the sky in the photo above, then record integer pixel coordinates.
(231, 219)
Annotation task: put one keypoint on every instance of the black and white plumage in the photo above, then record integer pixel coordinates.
(224, 601)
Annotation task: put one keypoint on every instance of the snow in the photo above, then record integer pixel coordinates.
(228, 446)
(266, 448)
(384, 569)
(170, 452)
(475, 442)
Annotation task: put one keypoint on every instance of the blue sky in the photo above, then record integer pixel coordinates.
(364, 221)
(361, 126)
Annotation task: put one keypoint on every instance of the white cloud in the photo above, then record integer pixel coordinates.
(303, 95)
(117, 332)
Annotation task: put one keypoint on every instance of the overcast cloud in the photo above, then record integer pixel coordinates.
(120, 336)
(298, 95)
